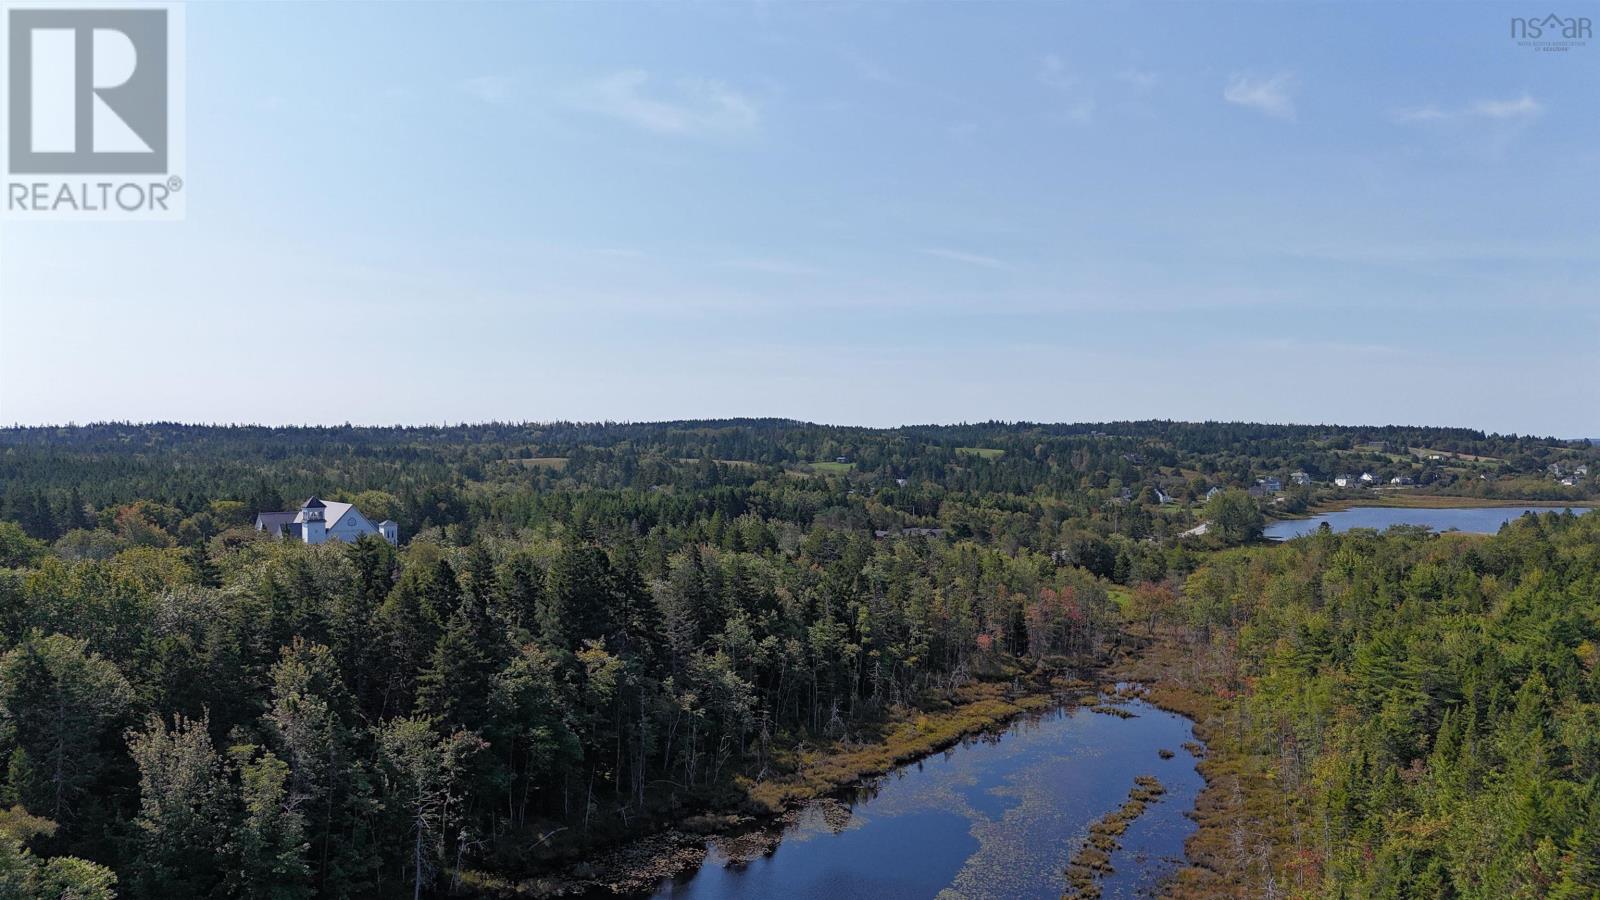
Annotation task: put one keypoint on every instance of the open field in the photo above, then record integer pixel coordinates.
(831, 468)
(542, 462)
(1425, 452)
(985, 452)
(732, 463)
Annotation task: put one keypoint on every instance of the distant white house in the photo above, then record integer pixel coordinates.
(318, 521)
(1366, 478)
(1343, 481)
(1213, 492)
(1300, 478)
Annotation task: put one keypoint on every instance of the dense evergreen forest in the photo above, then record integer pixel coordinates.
(1419, 714)
(588, 628)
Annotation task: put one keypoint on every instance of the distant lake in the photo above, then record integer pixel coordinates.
(1478, 519)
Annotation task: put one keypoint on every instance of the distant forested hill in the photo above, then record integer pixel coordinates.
(458, 475)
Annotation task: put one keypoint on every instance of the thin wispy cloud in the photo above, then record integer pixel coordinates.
(971, 259)
(1516, 108)
(1508, 109)
(1571, 249)
(1301, 346)
(494, 89)
(1053, 74)
(869, 69)
(769, 266)
(1271, 96)
(1141, 80)
(619, 252)
(685, 106)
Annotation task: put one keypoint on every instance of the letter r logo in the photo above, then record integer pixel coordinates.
(87, 91)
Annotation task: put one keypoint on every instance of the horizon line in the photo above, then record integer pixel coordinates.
(550, 423)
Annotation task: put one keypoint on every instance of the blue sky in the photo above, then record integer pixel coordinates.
(857, 213)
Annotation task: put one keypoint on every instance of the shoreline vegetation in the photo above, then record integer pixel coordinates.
(1435, 501)
(1419, 501)
(754, 824)
(1222, 858)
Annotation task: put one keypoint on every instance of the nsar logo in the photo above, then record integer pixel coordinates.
(1553, 33)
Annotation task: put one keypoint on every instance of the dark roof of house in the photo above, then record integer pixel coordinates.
(273, 521)
(313, 503)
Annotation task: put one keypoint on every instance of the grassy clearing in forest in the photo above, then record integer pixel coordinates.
(1425, 452)
(730, 463)
(832, 468)
(542, 462)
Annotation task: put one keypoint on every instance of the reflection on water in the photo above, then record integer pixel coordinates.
(996, 816)
(1479, 519)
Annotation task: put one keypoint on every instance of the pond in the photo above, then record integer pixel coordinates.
(1480, 519)
(996, 816)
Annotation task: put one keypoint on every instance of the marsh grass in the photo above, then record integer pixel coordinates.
(1093, 859)
(908, 737)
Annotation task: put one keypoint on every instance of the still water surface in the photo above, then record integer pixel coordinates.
(1484, 520)
(996, 816)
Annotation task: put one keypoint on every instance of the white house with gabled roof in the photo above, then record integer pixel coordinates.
(319, 521)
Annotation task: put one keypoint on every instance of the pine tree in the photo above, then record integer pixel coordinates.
(519, 595)
(270, 838)
(24, 876)
(184, 819)
(312, 725)
(577, 602)
(206, 573)
(421, 779)
(73, 513)
(58, 704)
(454, 689)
